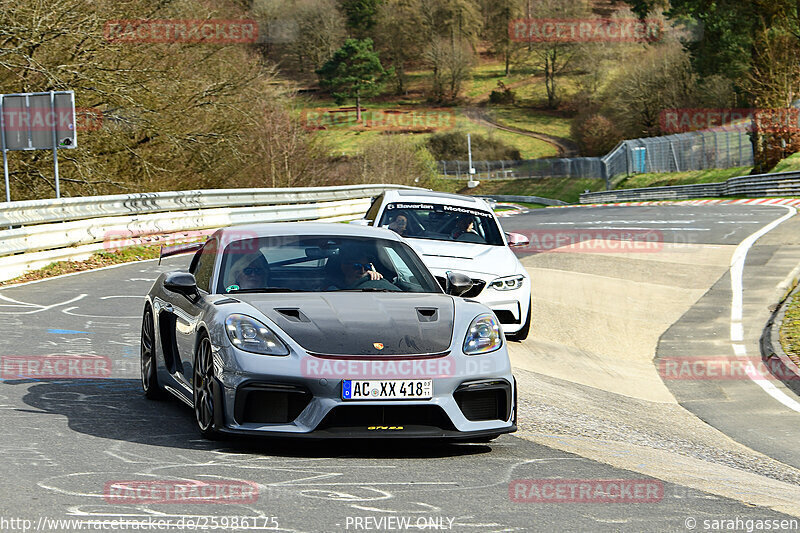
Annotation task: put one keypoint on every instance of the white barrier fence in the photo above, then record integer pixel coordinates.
(44, 231)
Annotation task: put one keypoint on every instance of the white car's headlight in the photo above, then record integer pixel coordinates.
(483, 336)
(508, 283)
(250, 335)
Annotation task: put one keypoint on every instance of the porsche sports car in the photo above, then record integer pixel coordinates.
(461, 233)
(324, 330)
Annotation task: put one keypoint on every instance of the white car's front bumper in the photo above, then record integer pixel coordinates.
(511, 307)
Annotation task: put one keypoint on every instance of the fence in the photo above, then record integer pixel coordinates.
(44, 231)
(698, 150)
(763, 185)
(577, 167)
(672, 153)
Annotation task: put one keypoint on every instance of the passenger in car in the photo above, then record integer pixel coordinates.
(250, 271)
(399, 224)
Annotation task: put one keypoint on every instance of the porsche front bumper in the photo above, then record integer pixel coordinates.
(278, 396)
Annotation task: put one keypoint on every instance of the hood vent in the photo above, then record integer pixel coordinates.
(427, 314)
(293, 315)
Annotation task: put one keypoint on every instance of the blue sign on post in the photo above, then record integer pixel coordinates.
(639, 156)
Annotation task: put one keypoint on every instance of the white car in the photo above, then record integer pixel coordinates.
(458, 233)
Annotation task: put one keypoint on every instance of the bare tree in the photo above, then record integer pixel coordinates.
(554, 57)
(175, 115)
(451, 62)
(660, 78)
(396, 159)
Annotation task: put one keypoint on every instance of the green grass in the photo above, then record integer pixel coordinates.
(534, 93)
(348, 141)
(529, 205)
(532, 120)
(660, 179)
(566, 189)
(97, 260)
(790, 330)
(789, 164)
(485, 77)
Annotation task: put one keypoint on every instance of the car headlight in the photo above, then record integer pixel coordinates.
(483, 336)
(250, 335)
(508, 283)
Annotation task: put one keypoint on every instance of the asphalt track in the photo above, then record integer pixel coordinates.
(65, 440)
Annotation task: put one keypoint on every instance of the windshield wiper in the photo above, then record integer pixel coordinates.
(370, 289)
(270, 289)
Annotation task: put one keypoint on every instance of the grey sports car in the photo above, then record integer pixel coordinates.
(324, 330)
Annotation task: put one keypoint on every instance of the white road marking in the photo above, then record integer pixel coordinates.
(68, 311)
(737, 288)
(37, 307)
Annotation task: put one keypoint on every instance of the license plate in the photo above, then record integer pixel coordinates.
(388, 389)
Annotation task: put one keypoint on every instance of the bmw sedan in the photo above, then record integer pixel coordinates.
(459, 233)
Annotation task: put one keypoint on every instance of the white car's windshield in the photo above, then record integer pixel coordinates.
(442, 223)
(322, 264)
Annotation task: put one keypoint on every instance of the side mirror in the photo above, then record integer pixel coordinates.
(181, 282)
(517, 240)
(457, 283)
(361, 222)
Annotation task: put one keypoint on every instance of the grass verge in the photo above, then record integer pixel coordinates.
(566, 189)
(789, 164)
(97, 260)
(790, 330)
(661, 179)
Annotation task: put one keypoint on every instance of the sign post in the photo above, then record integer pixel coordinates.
(37, 121)
(5, 155)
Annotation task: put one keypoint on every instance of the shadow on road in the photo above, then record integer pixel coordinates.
(117, 409)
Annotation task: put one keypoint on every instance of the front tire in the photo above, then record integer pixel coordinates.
(205, 401)
(149, 365)
(522, 334)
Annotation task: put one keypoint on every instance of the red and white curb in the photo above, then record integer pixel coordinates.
(739, 201)
(514, 209)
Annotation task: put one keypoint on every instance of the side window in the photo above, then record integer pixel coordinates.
(372, 213)
(203, 265)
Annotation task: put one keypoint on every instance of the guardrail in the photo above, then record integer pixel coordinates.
(525, 199)
(44, 231)
(762, 185)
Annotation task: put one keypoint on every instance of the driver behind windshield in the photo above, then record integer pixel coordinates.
(357, 271)
(464, 224)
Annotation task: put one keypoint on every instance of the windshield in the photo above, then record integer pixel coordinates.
(442, 223)
(322, 264)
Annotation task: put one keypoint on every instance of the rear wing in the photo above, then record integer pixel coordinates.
(177, 249)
